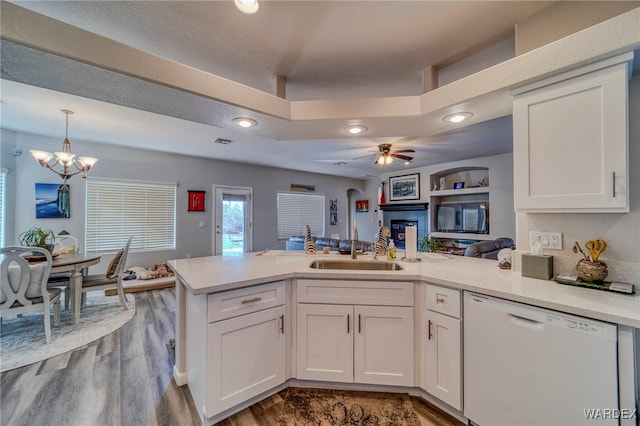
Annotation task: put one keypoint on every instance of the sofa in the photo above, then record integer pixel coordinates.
(296, 242)
(489, 249)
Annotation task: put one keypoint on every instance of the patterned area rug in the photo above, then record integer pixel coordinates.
(22, 340)
(333, 407)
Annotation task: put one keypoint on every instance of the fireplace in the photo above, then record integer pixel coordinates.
(397, 231)
(399, 216)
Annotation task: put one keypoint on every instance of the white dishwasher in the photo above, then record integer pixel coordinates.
(531, 366)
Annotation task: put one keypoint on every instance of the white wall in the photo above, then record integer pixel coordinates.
(191, 173)
(621, 231)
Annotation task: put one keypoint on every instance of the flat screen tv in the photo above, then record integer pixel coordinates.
(463, 217)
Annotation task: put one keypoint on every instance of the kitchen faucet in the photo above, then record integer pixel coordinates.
(354, 252)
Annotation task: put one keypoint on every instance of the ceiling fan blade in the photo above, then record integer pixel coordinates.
(405, 150)
(363, 156)
(402, 157)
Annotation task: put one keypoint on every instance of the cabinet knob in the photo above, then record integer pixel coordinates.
(430, 333)
(440, 300)
(255, 299)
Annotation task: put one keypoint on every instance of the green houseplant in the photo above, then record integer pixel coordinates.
(37, 237)
(428, 244)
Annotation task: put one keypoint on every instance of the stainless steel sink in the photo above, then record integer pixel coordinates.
(356, 265)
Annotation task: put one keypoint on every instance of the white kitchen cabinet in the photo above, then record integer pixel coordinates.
(570, 141)
(383, 342)
(237, 346)
(325, 342)
(355, 343)
(246, 357)
(442, 345)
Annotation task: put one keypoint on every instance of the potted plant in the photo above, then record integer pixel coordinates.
(428, 244)
(38, 237)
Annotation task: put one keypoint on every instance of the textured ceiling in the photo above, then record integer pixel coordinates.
(327, 50)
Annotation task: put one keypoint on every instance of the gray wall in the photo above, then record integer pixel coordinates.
(191, 173)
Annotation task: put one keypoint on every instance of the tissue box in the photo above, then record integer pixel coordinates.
(540, 267)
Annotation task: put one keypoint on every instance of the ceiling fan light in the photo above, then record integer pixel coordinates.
(245, 122)
(247, 6)
(457, 117)
(384, 160)
(355, 130)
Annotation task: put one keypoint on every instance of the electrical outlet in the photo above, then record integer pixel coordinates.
(547, 240)
(555, 240)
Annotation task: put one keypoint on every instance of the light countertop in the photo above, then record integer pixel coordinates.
(219, 273)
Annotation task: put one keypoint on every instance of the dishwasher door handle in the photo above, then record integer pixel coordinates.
(526, 322)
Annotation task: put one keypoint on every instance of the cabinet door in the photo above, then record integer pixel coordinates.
(442, 369)
(384, 345)
(570, 144)
(246, 356)
(325, 342)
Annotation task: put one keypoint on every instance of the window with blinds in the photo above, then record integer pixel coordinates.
(295, 210)
(3, 173)
(117, 209)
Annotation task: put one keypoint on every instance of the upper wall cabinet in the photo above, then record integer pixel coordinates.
(570, 141)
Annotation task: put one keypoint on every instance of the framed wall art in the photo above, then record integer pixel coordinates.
(406, 187)
(52, 201)
(362, 206)
(196, 201)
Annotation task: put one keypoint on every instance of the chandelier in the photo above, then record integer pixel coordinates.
(64, 163)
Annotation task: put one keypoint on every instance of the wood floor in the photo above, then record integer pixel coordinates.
(125, 378)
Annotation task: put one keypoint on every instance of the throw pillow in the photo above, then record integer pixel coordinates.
(113, 265)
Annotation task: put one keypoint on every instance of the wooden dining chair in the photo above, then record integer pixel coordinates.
(112, 278)
(24, 285)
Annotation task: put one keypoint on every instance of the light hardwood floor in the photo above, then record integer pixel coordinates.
(125, 378)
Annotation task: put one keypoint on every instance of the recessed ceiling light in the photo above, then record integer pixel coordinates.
(457, 117)
(247, 6)
(355, 130)
(245, 122)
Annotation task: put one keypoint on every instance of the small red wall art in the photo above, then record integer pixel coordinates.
(196, 201)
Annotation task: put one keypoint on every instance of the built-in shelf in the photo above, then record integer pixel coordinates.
(461, 236)
(463, 191)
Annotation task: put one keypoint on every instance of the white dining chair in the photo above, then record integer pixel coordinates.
(24, 285)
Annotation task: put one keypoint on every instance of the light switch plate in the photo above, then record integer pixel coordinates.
(547, 240)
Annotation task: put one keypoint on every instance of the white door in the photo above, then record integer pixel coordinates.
(246, 356)
(442, 369)
(325, 342)
(233, 220)
(383, 339)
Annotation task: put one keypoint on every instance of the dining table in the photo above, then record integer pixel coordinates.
(74, 263)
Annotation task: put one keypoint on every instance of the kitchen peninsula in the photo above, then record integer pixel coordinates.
(243, 325)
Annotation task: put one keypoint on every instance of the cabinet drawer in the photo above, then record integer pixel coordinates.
(352, 292)
(443, 300)
(232, 303)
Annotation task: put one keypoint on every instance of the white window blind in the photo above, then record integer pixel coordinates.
(118, 209)
(3, 173)
(295, 210)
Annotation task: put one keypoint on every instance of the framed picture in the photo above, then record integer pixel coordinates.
(196, 201)
(52, 201)
(458, 185)
(333, 211)
(362, 206)
(406, 187)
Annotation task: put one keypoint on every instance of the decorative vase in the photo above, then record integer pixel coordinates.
(592, 271)
(382, 196)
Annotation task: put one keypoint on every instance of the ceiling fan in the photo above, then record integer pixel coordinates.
(386, 155)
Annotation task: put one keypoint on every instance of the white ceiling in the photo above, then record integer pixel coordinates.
(327, 50)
